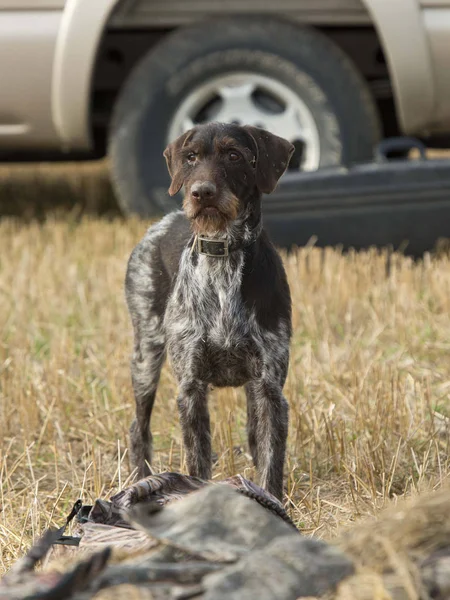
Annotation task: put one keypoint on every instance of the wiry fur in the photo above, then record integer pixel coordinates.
(223, 321)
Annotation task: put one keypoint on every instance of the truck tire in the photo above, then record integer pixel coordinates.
(287, 78)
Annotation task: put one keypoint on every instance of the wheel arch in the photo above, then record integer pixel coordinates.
(410, 65)
(75, 63)
(73, 69)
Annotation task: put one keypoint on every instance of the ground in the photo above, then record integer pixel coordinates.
(368, 385)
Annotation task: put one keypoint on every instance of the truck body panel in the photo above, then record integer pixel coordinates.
(27, 49)
(435, 3)
(30, 5)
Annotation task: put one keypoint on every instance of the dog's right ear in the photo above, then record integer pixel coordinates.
(172, 154)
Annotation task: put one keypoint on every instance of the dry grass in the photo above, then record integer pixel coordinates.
(398, 553)
(369, 381)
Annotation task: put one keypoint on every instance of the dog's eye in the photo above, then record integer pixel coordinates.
(234, 156)
(191, 157)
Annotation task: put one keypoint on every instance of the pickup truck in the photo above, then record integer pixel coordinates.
(89, 78)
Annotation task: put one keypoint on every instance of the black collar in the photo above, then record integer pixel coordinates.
(220, 248)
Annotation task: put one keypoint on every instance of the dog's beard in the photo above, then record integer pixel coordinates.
(212, 219)
(210, 224)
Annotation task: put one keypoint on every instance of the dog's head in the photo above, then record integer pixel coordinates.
(223, 167)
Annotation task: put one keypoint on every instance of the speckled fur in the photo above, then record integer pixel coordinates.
(223, 322)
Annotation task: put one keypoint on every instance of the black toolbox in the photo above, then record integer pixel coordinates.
(403, 203)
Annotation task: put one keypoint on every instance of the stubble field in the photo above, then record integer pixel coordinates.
(368, 386)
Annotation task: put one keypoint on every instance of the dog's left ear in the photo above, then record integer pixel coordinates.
(274, 154)
(172, 154)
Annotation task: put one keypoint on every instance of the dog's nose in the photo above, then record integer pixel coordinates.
(203, 190)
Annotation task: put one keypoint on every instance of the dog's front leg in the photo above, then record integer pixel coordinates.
(267, 427)
(194, 417)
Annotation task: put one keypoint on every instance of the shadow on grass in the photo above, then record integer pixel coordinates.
(36, 190)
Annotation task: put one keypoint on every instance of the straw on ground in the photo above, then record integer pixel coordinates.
(368, 386)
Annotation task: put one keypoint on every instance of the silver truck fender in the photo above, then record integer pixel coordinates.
(78, 39)
(401, 29)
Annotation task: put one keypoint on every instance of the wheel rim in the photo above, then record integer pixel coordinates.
(252, 99)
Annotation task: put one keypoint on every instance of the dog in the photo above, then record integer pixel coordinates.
(206, 286)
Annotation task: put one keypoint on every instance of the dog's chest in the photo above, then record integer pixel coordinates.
(209, 329)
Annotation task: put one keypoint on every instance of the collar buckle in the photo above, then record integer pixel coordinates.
(215, 248)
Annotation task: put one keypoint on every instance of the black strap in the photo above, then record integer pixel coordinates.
(68, 540)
